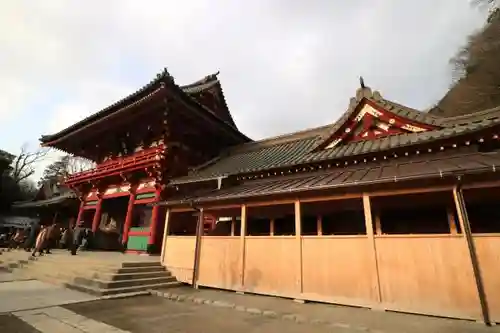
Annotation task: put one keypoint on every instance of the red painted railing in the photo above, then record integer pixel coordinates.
(112, 167)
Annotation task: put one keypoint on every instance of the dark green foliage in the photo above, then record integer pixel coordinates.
(476, 73)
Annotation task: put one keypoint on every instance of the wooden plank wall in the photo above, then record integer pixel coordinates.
(179, 257)
(425, 274)
(488, 253)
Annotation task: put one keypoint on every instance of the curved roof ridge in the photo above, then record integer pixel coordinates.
(207, 79)
(289, 137)
(164, 76)
(471, 117)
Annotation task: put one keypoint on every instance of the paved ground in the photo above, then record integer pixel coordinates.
(359, 319)
(59, 320)
(35, 307)
(11, 324)
(32, 294)
(149, 314)
(7, 277)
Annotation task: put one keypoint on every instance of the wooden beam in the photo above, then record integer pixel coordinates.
(415, 190)
(243, 228)
(332, 197)
(165, 235)
(463, 219)
(316, 198)
(96, 221)
(483, 184)
(206, 207)
(373, 248)
(271, 202)
(298, 234)
(197, 248)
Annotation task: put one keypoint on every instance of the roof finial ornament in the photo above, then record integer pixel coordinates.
(166, 74)
(211, 77)
(362, 82)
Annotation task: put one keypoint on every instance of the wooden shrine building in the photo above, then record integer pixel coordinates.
(387, 208)
(138, 144)
(54, 202)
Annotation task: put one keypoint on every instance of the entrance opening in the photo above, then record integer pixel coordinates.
(110, 231)
(86, 219)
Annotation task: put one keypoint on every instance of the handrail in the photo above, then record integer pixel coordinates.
(135, 160)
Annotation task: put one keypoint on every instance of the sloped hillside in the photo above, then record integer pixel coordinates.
(477, 73)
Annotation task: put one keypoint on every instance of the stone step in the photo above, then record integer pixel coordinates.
(73, 261)
(131, 270)
(124, 290)
(98, 264)
(89, 273)
(128, 276)
(101, 284)
(92, 275)
(133, 264)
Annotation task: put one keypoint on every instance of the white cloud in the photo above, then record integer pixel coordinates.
(285, 65)
(90, 97)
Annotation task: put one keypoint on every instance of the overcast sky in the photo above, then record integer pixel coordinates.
(285, 65)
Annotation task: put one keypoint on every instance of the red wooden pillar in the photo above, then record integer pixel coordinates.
(128, 219)
(97, 216)
(80, 213)
(154, 219)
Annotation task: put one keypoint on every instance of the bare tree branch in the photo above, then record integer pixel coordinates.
(78, 164)
(63, 167)
(24, 163)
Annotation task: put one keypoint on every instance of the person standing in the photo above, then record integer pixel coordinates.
(77, 236)
(53, 234)
(40, 242)
(31, 240)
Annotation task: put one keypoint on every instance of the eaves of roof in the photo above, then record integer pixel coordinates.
(300, 151)
(406, 169)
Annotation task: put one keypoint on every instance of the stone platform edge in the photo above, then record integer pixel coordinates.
(298, 318)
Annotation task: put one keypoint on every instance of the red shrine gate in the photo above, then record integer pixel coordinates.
(140, 143)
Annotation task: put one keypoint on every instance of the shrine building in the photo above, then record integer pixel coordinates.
(387, 208)
(139, 143)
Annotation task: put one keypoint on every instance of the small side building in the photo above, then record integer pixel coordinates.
(53, 202)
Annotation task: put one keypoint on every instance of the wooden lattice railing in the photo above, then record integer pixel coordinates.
(116, 166)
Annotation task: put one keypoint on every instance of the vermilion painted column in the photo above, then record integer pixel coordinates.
(79, 216)
(97, 216)
(154, 219)
(128, 219)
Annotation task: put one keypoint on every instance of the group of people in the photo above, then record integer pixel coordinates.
(43, 238)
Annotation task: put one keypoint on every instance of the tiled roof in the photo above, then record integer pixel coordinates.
(259, 155)
(46, 202)
(190, 89)
(416, 167)
(299, 148)
(376, 98)
(211, 83)
(17, 221)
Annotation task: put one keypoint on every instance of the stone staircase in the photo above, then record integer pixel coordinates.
(96, 273)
